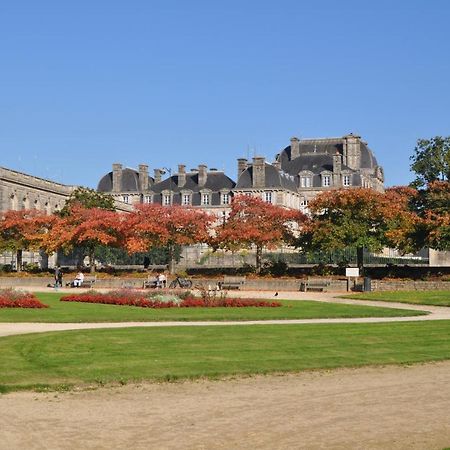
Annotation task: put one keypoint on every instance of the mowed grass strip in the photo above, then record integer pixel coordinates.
(136, 354)
(90, 312)
(436, 298)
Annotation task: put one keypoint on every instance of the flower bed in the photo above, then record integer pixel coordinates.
(10, 298)
(124, 298)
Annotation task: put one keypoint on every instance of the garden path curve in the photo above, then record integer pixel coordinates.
(434, 313)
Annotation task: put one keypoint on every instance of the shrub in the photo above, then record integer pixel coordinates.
(129, 298)
(10, 298)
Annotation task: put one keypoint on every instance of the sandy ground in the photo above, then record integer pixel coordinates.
(368, 408)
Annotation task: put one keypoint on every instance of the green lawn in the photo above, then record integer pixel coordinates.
(89, 312)
(134, 354)
(437, 298)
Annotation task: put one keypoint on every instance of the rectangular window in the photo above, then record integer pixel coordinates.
(205, 199)
(326, 180)
(346, 180)
(225, 199)
(147, 199)
(268, 197)
(305, 182)
(166, 200)
(125, 198)
(186, 199)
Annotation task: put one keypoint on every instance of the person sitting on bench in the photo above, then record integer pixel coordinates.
(78, 280)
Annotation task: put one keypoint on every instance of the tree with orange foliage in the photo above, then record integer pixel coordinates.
(157, 226)
(254, 222)
(357, 218)
(85, 227)
(24, 230)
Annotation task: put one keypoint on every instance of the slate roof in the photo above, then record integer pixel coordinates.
(316, 155)
(274, 179)
(129, 181)
(215, 181)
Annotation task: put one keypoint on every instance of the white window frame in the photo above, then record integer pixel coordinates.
(167, 199)
(205, 196)
(225, 198)
(268, 196)
(326, 180)
(346, 180)
(186, 199)
(126, 198)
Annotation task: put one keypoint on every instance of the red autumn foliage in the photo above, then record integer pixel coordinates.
(254, 222)
(17, 299)
(132, 299)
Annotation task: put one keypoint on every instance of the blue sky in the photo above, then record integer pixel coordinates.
(84, 84)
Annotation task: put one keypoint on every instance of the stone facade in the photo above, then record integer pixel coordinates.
(21, 191)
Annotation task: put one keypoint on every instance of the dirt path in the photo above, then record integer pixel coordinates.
(368, 408)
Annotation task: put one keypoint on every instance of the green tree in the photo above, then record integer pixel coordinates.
(431, 160)
(343, 218)
(88, 198)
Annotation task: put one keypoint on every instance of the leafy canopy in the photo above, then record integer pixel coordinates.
(431, 160)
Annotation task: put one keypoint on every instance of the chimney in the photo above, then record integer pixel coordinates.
(352, 151)
(202, 174)
(295, 148)
(117, 177)
(143, 177)
(157, 175)
(242, 165)
(337, 166)
(277, 165)
(181, 175)
(259, 172)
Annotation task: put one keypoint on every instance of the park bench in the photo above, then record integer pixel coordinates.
(315, 284)
(150, 282)
(231, 282)
(89, 281)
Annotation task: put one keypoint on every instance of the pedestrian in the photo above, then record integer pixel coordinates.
(58, 277)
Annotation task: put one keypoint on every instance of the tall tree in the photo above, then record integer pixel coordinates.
(88, 228)
(156, 226)
(254, 222)
(24, 230)
(432, 205)
(431, 160)
(344, 218)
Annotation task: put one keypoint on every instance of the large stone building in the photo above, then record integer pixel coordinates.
(21, 191)
(300, 172)
(310, 166)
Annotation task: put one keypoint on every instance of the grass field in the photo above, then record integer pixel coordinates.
(88, 312)
(436, 298)
(134, 354)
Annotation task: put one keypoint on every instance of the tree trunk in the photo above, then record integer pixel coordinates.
(360, 260)
(19, 260)
(171, 260)
(258, 258)
(91, 260)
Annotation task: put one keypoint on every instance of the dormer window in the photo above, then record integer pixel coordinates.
(206, 199)
(167, 199)
(148, 199)
(225, 198)
(125, 198)
(346, 180)
(326, 180)
(186, 199)
(305, 181)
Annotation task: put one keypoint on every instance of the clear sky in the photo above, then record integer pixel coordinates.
(84, 83)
